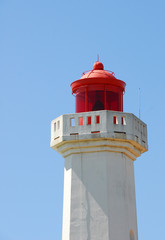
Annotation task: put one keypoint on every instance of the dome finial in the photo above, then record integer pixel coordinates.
(98, 65)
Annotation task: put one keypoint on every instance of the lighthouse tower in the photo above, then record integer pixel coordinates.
(100, 143)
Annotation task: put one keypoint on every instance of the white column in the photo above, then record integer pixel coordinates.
(101, 203)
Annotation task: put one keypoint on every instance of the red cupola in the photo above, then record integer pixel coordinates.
(98, 89)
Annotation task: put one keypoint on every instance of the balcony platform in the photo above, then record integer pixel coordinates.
(98, 131)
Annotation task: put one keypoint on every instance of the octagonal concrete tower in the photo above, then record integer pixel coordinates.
(100, 143)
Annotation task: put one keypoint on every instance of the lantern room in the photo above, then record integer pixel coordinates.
(98, 89)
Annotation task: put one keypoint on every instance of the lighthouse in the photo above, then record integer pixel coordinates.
(99, 143)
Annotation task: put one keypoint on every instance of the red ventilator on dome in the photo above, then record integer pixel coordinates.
(98, 89)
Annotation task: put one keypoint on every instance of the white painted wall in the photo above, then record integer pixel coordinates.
(102, 201)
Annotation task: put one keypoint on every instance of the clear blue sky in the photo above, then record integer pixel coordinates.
(44, 46)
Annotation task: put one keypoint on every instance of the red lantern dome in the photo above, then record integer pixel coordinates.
(98, 89)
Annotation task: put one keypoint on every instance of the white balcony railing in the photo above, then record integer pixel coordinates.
(103, 123)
